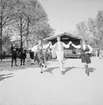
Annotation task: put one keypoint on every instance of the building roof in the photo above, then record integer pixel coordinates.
(65, 33)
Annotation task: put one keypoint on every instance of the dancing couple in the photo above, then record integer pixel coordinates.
(85, 50)
(58, 48)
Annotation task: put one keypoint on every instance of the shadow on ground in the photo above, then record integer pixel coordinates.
(91, 69)
(5, 76)
(49, 70)
(68, 69)
(6, 65)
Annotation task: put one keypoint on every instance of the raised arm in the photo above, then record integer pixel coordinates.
(76, 46)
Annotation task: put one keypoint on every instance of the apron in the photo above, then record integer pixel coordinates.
(85, 58)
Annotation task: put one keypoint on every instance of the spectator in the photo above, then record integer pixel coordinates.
(22, 55)
(13, 55)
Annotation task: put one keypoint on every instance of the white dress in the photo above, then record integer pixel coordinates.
(60, 52)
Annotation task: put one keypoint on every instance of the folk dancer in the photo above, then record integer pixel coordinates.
(86, 50)
(40, 55)
(58, 47)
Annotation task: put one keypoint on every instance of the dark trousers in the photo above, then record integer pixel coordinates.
(22, 60)
(13, 59)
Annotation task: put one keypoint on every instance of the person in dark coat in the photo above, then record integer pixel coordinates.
(86, 50)
(22, 55)
(13, 55)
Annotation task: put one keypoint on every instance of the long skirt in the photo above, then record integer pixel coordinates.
(85, 58)
(60, 58)
(60, 55)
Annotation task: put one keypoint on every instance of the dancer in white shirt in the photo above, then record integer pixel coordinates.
(86, 50)
(59, 50)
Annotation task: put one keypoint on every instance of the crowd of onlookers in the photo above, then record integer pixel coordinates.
(25, 55)
(18, 52)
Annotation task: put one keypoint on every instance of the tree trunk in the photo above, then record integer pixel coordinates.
(21, 41)
(1, 29)
(28, 21)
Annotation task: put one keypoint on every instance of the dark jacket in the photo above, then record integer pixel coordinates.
(14, 52)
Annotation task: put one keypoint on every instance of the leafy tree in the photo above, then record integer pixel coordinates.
(93, 29)
(82, 30)
(99, 25)
(96, 28)
(6, 18)
(29, 16)
(34, 14)
(19, 15)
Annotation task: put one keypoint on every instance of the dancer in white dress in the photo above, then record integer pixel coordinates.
(59, 50)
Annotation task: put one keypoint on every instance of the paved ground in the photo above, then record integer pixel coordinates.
(26, 86)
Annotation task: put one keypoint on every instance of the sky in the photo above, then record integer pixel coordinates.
(65, 14)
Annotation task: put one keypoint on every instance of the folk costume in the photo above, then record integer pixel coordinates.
(85, 56)
(85, 50)
(40, 55)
